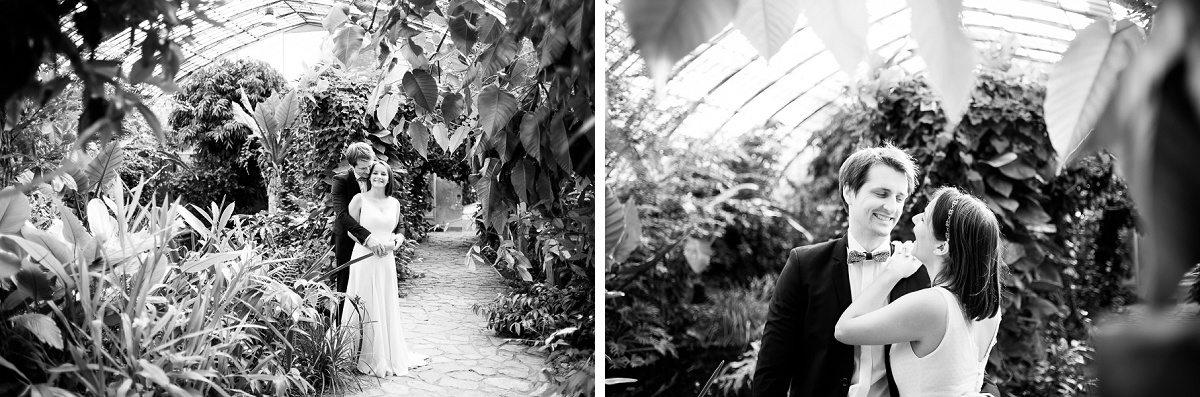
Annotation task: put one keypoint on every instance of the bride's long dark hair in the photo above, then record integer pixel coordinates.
(973, 263)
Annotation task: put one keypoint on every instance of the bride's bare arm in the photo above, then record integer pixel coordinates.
(868, 321)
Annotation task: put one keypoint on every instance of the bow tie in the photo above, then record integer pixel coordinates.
(859, 256)
(362, 179)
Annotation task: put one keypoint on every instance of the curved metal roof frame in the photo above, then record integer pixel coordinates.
(727, 89)
(242, 24)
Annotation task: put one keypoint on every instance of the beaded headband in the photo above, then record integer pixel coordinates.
(953, 205)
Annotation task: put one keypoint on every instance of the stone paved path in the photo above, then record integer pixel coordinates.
(467, 359)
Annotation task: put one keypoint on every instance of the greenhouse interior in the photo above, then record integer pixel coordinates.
(727, 124)
(297, 198)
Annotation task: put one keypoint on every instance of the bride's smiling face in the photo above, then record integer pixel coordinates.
(925, 245)
(379, 176)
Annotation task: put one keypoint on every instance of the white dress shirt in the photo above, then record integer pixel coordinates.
(869, 378)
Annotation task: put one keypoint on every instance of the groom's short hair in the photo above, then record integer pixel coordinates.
(853, 173)
(358, 151)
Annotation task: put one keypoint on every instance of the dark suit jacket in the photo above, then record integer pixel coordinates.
(345, 186)
(798, 351)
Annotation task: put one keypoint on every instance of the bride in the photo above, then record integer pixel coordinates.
(384, 351)
(940, 337)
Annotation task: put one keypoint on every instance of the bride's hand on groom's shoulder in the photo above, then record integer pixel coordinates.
(902, 263)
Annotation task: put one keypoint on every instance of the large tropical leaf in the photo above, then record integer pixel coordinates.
(490, 29)
(337, 16)
(441, 136)
(499, 55)
(554, 42)
(1082, 81)
(422, 88)
(419, 136)
(104, 167)
(14, 210)
(452, 106)
(842, 26)
(496, 107)
(948, 53)
(287, 111)
(246, 119)
(56, 247)
(667, 30)
(523, 178)
(459, 136)
(389, 105)
(41, 326)
(531, 135)
(347, 42)
(560, 144)
(461, 30)
(485, 188)
(767, 24)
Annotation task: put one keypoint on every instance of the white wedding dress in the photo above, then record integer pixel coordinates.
(384, 351)
(955, 368)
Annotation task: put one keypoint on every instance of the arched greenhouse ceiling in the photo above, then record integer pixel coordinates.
(245, 22)
(727, 88)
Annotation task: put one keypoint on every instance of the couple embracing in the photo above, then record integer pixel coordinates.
(367, 224)
(854, 317)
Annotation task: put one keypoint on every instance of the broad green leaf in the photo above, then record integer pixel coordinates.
(347, 42)
(419, 136)
(441, 136)
(614, 221)
(287, 111)
(246, 119)
(459, 136)
(499, 55)
(35, 283)
(632, 237)
(1082, 81)
(1018, 170)
(1002, 160)
(41, 326)
(337, 16)
(56, 247)
(75, 164)
(422, 88)
(523, 179)
(1031, 213)
(553, 43)
(559, 143)
(452, 106)
(14, 210)
(104, 167)
(767, 24)
(496, 107)
(485, 188)
(667, 30)
(101, 223)
(389, 105)
(698, 254)
(490, 29)
(1000, 185)
(531, 135)
(414, 54)
(462, 31)
(948, 53)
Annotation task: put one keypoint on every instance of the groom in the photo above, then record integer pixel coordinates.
(359, 155)
(798, 351)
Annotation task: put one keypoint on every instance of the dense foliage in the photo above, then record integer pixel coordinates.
(222, 167)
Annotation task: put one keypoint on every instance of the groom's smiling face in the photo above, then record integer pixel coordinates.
(876, 206)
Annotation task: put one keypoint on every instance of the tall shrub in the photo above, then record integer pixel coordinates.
(203, 120)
